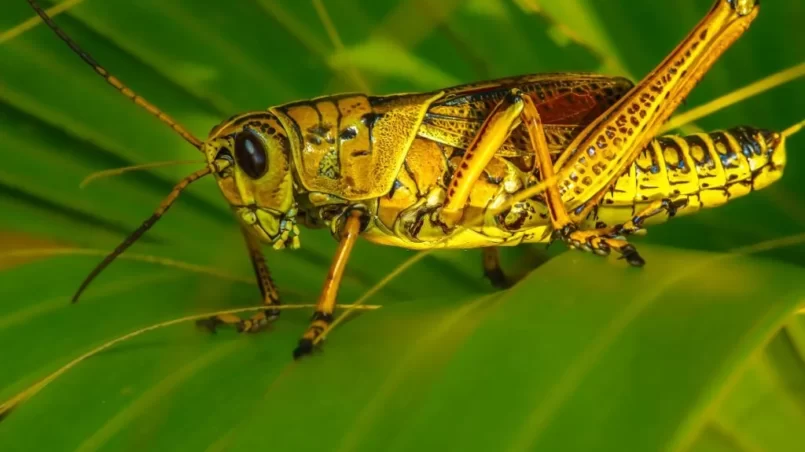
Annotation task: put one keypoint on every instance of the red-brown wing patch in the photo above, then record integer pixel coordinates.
(566, 103)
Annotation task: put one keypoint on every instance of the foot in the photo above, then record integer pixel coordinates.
(255, 323)
(318, 324)
(601, 242)
(498, 278)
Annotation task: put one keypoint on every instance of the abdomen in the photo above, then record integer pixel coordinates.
(707, 170)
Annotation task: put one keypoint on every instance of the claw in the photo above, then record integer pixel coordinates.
(632, 257)
(305, 347)
(673, 207)
(603, 248)
(257, 323)
(244, 326)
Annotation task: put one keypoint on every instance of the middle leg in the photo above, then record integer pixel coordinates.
(492, 268)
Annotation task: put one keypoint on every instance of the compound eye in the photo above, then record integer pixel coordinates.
(250, 154)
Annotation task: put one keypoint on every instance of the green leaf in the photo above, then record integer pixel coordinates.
(703, 349)
(526, 367)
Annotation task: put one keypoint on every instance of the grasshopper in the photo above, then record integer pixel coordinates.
(572, 157)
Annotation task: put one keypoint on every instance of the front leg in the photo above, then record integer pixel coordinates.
(267, 289)
(326, 304)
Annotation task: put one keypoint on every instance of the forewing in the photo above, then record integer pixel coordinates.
(566, 102)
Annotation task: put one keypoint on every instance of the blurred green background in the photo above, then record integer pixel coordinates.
(699, 350)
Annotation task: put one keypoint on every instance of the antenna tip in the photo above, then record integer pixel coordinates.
(793, 129)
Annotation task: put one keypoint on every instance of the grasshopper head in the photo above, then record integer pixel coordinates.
(258, 182)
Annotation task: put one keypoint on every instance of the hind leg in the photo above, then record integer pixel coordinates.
(564, 226)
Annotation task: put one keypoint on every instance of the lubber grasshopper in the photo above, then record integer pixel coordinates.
(537, 158)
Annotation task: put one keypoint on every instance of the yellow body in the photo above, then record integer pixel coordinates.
(393, 157)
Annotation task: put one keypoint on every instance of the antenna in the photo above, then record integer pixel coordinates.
(114, 81)
(163, 207)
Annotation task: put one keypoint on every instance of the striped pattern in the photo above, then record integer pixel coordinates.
(707, 170)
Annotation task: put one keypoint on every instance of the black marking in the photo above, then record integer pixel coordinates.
(522, 216)
(492, 179)
(411, 175)
(369, 119)
(514, 96)
(747, 139)
(697, 141)
(349, 133)
(360, 153)
(297, 131)
(252, 118)
(331, 139)
(728, 156)
(669, 143)
(319, 133)
(319, 129)
(397, 185)
(416, 226)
